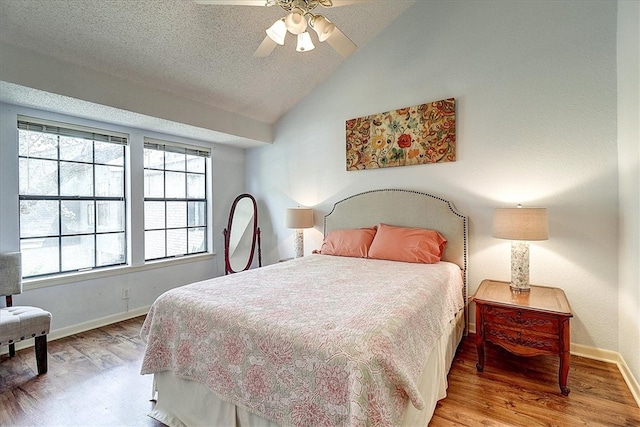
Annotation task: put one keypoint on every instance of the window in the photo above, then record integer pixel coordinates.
(175, 199)
(72, 197)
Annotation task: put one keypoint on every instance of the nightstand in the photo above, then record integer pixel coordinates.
(524, 323)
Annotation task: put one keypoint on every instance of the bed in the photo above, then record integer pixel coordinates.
(318, 340)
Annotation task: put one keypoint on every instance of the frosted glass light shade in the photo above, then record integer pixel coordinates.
(322, 26)
(277, 31)
(304, 42)
(295, 22)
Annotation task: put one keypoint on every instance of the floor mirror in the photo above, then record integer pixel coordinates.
(242, 235)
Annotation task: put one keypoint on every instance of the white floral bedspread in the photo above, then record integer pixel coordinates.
(316, 341)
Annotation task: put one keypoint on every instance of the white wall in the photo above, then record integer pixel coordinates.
(535, 86)
(629, 186)
(76, 302)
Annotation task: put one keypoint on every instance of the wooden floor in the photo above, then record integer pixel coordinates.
(94, 380)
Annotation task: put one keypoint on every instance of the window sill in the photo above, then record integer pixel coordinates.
(63, 279)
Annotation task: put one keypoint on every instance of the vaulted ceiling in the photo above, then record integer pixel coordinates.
(202, 54)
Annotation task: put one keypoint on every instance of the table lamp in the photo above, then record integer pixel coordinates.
(520, 225)
(299, 218)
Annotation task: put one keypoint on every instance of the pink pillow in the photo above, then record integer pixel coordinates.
(407, 244)
(352, 242)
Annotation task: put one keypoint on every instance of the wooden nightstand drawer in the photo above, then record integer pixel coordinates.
(520, 342)
(520, 318)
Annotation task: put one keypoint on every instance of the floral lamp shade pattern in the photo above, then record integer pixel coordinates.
(415, 135)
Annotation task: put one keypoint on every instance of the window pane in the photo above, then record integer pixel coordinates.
(176, 214)
(76, 149)
(110, 216)
(154, 215)
(110, 249)
(153, 183)
(76, 179)
(39, 218)
(175, 184)
(38, 177)
(36, 144)
(196, 163)
(154, 244)
(153, 159)
(109, 154)
(195, 186)
(109, 181)
(176, 242)
(77, 217)
(77, 252)
(175, 161)
(39, 256)
(196, 214)
(197, 240)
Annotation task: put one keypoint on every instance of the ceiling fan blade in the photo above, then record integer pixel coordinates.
(265, 48)
(233, 2)
(341, 43)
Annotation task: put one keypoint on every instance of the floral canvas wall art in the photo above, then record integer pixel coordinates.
(415, 135)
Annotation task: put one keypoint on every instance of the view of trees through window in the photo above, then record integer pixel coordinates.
(72, 199)
(175, 204)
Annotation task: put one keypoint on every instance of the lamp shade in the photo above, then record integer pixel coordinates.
(295, 21)
(277, 31)
(304, 42)
(322, 26)
(520, 223)
(298, 218)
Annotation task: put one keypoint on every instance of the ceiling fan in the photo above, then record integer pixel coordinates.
(300, 16)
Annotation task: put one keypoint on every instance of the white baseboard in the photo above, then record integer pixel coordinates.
(610, 357)
(603, 356)
(82, 327)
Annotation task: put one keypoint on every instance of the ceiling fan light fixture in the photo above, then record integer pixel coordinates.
(295, 22)
(277, 31)
(304, 42)
(322, 26)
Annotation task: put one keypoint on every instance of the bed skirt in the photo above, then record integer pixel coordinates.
(181, 402)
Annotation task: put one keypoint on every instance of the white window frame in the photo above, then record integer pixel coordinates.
(204, 225)
(60, 129)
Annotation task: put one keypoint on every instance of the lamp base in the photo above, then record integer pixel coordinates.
(299, 243)
(520, 266)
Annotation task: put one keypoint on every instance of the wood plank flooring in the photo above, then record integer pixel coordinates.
(94, 380)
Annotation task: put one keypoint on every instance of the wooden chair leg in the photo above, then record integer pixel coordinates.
(12, 350)
(41, 354)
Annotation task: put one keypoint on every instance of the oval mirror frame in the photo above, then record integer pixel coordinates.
(242, 232)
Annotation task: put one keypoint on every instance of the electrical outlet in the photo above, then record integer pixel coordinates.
(125, 293)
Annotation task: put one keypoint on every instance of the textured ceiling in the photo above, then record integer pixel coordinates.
(200, 52)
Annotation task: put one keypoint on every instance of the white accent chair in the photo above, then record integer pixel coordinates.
(21, 322)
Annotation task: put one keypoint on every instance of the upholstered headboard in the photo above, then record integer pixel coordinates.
(405, 208)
